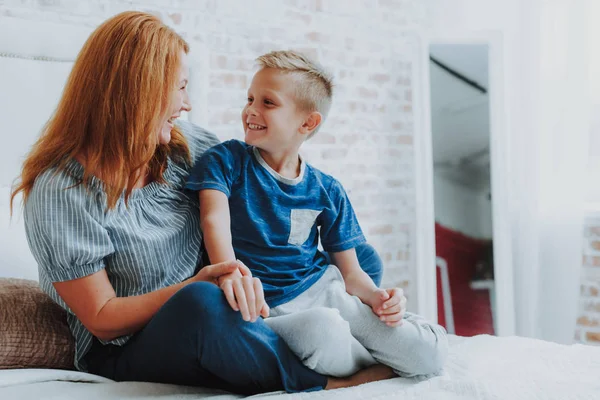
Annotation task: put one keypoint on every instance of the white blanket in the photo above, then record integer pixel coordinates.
(482, 368)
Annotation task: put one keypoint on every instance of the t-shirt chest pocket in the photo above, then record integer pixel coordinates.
(301, 223)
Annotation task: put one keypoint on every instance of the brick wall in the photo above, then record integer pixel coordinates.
(588, 322)
(371, 48)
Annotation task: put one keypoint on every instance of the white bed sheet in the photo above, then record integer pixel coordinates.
(482, 368)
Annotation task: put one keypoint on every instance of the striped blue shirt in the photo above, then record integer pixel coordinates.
(152, 243)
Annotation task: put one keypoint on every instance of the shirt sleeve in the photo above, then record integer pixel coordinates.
(64, 229)
(340, 229)
(216, 169)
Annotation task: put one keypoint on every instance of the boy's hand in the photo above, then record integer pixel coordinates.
(389, 305)
(244, 293)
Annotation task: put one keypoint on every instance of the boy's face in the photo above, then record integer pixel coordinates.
(271, 119)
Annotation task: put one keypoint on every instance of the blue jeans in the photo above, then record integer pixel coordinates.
(196, 339)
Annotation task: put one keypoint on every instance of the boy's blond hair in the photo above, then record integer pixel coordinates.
(314, 85)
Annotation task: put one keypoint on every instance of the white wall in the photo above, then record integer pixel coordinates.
(463, 209)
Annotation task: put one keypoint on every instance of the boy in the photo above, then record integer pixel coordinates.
(334, 318)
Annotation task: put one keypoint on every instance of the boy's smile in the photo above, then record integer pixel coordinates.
(256, 127)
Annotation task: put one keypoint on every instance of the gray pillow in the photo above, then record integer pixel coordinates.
(33, 329)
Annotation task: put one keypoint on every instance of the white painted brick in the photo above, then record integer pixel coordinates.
(365, 8)
(589, 304)
(304, 5)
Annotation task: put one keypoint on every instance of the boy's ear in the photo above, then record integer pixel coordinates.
(311, 122)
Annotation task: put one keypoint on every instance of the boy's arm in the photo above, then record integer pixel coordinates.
(215, 223)
(243, 293)
(358, 283)
(340, 231)
(388, 304)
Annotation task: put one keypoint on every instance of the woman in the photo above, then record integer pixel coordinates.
(117, 239)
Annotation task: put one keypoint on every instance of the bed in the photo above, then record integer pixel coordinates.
(482, 367)
(35, 58)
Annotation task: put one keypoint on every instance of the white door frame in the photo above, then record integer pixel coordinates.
(424, 246)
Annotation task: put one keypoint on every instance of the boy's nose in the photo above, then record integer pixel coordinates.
(250, 110)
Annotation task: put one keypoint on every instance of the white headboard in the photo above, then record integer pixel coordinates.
(35, 60)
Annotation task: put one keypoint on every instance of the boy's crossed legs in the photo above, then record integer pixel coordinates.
(322, 339)
(335, 334)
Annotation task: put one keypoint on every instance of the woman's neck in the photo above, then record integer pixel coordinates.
(143, 178)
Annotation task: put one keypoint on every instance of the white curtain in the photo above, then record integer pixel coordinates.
(549, 169)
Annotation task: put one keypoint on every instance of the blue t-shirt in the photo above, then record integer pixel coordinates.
(275, 221)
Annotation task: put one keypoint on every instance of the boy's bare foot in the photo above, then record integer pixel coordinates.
(377, 372)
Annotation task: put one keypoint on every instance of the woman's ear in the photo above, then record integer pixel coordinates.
(311, 122)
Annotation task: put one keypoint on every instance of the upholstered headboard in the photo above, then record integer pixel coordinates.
(35, 60)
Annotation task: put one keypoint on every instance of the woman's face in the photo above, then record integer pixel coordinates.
(179, 101)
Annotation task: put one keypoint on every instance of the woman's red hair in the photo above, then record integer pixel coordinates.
(112, 107)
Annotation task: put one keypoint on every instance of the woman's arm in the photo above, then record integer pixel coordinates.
(94, 301)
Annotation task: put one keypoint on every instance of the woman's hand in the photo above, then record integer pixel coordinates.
(243, 292)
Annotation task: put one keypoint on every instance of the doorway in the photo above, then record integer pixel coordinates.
(463, 252)
(460, 138)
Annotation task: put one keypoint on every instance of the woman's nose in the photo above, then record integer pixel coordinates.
(187, 104)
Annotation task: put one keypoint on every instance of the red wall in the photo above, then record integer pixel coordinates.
(472, 311)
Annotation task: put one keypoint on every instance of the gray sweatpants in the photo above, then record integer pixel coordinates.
(335, 334)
